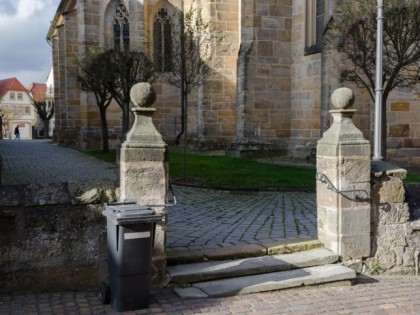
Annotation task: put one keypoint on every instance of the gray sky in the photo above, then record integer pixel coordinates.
(24, 51)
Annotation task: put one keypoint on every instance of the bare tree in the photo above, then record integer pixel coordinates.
(45, 110)
(401, 58)
(124, 69)
(93, 77)
(192, 59)
(192, 64)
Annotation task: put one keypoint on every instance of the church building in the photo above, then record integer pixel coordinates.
(269, 94)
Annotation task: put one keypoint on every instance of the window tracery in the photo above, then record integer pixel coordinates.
(162, 41)
(121, 28)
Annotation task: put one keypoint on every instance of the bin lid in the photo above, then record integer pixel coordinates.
(129, 209)
(130, 212)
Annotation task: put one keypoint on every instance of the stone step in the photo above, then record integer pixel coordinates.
(242, 251)
(196, 272)
(268, 282)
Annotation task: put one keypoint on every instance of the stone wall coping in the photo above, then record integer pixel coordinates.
(379, 168)
(95, 191)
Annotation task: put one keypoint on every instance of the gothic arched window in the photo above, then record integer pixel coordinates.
(162, 41)
(121, 29)
(317, 13)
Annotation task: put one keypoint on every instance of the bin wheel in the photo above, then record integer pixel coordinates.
(104, 293)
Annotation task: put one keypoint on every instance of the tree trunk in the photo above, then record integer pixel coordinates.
(185, 136)
(104, 127)
(182, 124)
(46, 128)
(126, 117)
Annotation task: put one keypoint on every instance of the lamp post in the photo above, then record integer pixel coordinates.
(377, 154)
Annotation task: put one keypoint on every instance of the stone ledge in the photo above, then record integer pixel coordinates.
(95, 191)
(379, 168)
(232, 252)
(184, 256)
(241, 251)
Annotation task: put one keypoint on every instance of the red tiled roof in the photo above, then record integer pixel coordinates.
(38, 91)
(11, 84)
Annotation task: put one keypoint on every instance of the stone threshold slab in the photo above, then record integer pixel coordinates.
(195, 272)
(242, 251)
(268, 282)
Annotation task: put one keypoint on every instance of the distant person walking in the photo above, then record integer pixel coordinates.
(17, 133)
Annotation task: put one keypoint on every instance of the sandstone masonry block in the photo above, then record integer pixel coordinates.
(390, 191)
(92, 191)
(393, 213)
(392, 235)
(400, 106)
(355, 245)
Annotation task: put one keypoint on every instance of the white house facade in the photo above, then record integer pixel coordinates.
(16, 109)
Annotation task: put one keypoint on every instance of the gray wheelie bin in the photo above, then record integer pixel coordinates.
(130, 235)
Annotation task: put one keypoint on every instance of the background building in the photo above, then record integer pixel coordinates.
(16, 108)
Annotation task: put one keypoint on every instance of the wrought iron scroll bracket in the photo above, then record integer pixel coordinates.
(360, 194)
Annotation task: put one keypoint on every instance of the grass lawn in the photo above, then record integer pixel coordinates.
(236, 173)
(231, 173)
(412, 178)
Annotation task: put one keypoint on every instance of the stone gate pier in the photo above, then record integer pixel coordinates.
(362, 210)
(144, 170)
(343, 183)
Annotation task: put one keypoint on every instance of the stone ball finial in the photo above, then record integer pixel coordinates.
(142, 94)
(342, 98)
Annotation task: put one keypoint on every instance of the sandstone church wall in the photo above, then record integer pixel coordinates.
(305, 88)
(266, 92)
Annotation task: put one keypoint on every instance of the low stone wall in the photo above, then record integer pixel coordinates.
(395, 227)
(53, 236)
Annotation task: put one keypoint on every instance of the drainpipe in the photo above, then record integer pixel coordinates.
(377, 156)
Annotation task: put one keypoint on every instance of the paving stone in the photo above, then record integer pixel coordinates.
(191, 293)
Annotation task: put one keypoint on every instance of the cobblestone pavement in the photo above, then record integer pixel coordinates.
(381, 295)
(39, 161)
(210, 219)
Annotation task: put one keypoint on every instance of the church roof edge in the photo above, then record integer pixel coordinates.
(64, 6)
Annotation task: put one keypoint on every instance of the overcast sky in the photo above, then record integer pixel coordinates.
(24, 51)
